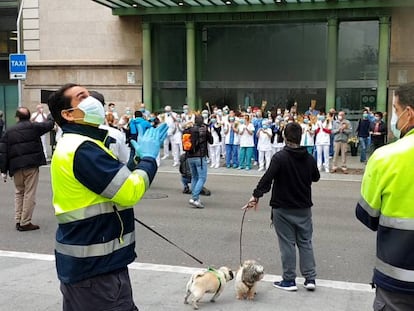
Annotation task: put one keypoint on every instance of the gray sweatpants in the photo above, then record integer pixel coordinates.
(294, 227)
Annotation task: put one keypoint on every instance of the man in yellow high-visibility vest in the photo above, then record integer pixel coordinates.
(93, 198)
(387, 206)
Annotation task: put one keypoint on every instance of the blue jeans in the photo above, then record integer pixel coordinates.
(198, 167)
(232, 155)
(363, 142)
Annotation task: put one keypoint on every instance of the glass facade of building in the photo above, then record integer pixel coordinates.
(240, 65)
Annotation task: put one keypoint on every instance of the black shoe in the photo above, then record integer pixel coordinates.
(205, 192)
(28, 227)
(17, 225)
(186, 190)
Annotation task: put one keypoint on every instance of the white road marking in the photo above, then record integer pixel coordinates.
(189, 270)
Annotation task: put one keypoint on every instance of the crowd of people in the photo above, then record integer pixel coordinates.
(247, 139)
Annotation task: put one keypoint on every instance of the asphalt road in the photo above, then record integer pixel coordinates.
(344, 248)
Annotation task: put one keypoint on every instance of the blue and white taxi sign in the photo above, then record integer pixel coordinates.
(17, 66)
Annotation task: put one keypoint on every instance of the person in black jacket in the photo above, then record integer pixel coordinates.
(378, 131)
(21, 154)
(1, 123)
(197, 159)
(292, 171)
(363, 135)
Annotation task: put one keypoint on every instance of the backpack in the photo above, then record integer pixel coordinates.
(189, 139)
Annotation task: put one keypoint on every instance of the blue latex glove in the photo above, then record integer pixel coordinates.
(149, 141)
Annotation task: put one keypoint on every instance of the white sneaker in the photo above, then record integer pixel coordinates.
(165, 157)
(191, 201)
(260, 169)
(217, 166)
(326, 170)
(197, 204)
(175, 164)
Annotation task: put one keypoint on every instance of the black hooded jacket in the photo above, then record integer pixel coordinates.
(291, 171)
(21, 147)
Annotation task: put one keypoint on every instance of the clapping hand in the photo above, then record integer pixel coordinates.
(149, 141)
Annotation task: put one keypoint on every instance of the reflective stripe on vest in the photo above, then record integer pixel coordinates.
(394, 272)
(94, 250)
(86, 212)
(116, 182)
(371, 212)
(397, 223)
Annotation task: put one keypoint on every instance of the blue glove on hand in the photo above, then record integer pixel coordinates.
(149, 141)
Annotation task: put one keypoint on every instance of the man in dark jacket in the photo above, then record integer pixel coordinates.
(291, 172)
(21, 154)
(197, 159)
(363, 135)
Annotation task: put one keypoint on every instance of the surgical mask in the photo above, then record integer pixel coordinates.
(220, 113)
(231, 119)
(393, 123)
(249, 110)
(213, 120)
(93, 110)
(205, 116)
(365, 115)
(185, 111)
(377, 118)
(178, 120)
(241, 121)
(306, 121)
(265, 126)
(225, 111)
(340, 118)
(321, 118)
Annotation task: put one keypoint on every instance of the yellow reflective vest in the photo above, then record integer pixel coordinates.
(96, 232)
(387, 206)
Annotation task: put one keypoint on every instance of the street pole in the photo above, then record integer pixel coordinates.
(19, 81)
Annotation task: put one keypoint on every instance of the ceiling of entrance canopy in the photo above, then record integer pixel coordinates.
(144, 7)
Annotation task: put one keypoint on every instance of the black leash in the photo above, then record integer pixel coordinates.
(241, 234)
(172, 243)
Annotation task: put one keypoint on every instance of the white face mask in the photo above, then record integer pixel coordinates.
(394, 122)
(93, 110)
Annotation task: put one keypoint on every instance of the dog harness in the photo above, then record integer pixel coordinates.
(214, 271)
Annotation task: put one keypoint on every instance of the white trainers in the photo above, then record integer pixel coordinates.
(175, 164)
(196, 203)
(165, 157)
(260, 169)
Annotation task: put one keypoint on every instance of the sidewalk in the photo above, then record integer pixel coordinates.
(29, 282)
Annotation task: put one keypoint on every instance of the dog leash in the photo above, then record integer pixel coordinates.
(245, 208)
(172, 243)
(241, 234)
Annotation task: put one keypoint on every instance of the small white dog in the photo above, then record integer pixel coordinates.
(247, 277)
(211, 281)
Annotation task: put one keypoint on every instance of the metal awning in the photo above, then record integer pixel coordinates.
(146, 7)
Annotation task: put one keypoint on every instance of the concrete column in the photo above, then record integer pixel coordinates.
(146, 64)
(383, 59)
(332, 55)
(191, 66)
